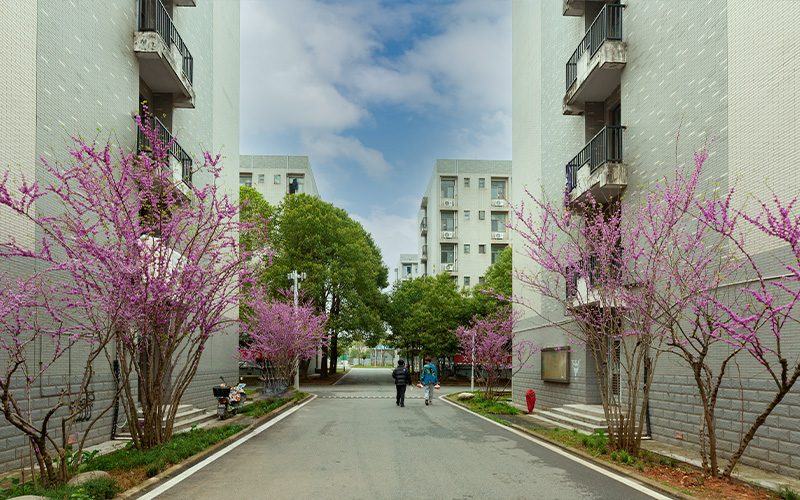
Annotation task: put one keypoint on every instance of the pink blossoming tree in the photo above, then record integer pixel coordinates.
(155, 255)
(278, 337)
(38, 331)
(491, 343)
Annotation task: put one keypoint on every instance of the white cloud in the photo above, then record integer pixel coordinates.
(393, 234)
(329, 147)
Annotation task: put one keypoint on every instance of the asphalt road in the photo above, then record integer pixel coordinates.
(352, 442)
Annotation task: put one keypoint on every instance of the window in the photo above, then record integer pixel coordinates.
(466, 214)
(481, 182)
(466, 280)
(246, 180)
(498, 222)
(277, 179)
(481, 280)
(466, 182)
(407, 269)
(448, 253)
(296, 183)
(466, 248)
(261, 178)
(448, 221)
(448, 188)
(482, 214)
(498, 190)
(496, 249)
(481, 248)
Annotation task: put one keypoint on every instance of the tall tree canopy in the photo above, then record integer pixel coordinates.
(497, 283)
(424, 314)
(344, 268)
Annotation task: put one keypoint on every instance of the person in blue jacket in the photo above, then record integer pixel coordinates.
(428, 379)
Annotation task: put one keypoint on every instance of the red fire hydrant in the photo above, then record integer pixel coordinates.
(530, 397)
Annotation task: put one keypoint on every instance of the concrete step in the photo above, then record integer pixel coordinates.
(564, 422)
(186, 417)
(591, 419)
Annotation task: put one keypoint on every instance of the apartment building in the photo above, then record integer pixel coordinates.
(407, 267)
(83, 68)
(462, 218)
(274, 176)
(600, 92)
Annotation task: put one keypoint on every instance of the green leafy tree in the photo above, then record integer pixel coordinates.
(254, 210)
(344, 268)
(487, 297)
(424, 313)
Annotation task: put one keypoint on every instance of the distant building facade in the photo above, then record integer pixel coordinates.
(463, 217)
(274, 176)
(407, 267)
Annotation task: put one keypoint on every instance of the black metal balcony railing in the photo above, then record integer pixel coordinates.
(423, 226)
(591, 271)
(177, 152)
(604, 147)
(606, 26)
(154, 17)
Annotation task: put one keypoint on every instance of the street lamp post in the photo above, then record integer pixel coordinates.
(294, 276)
(472, 358)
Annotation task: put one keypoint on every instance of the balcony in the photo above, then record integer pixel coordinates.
(423, 226)
(176, 151)
(165, 63)
(575, 8)
(183, 3)
(598, 169)
(451, 267)
(500, 236)
(424, 256)
(448, 203)
(585, 278)
(449, 234)
(594, 69)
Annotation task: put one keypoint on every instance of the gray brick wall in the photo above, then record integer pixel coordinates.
(684, 59)
(73, 72)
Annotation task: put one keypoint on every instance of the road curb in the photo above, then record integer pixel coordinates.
(586, 456)
(177, 468)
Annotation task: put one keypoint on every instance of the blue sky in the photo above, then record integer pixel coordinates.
(373, 93)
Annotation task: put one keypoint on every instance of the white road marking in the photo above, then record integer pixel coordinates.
(211, 458)
(617, 477)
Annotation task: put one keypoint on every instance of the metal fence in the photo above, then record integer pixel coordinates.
(177, 152)
(154, 17)
(606, 26)
(604, 147)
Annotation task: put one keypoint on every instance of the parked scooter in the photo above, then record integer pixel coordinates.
(229, 399)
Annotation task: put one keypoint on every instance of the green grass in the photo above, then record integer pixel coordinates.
(159, 458)
(490, 407)
(263, 406)
(787, 494)
(90, 490)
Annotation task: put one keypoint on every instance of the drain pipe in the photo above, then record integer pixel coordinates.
(647, 402)
(116, 399)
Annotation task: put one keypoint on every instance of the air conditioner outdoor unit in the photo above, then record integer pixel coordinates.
(448, 203)
(448, 234)
(498, 203)
(497, 236)
(449, 267)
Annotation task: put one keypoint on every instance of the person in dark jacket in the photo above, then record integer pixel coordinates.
(402, 378)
